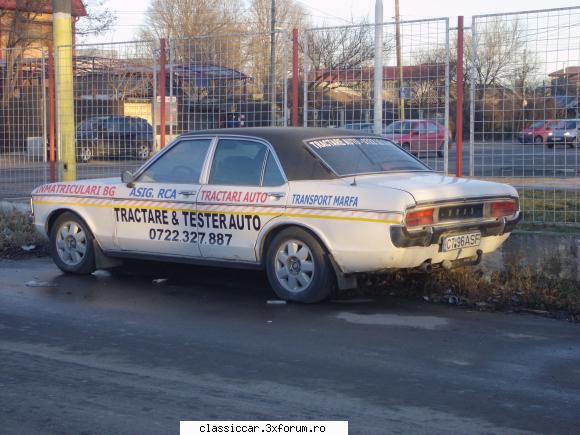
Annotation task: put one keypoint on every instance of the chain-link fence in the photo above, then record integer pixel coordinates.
(339, 76)
(521, 79)
(225, 81)
(525, 115)
(114, 97)
(23, 121)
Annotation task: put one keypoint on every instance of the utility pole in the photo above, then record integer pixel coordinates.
(62, 37)
(272, 86)
(399, 64)
(378, 75)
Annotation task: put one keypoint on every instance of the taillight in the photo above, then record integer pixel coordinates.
(419, 217)
(503, 208)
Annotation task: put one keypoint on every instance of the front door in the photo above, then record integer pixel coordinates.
(245, 190)
(157, 214)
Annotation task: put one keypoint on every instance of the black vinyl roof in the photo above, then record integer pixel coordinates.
(289, 143)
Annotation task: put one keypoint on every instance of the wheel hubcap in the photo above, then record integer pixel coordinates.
(294, 266)
(71, 243)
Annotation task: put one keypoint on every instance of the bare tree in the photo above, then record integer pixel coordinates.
(99, 19)
(187, 18)
(498, 46)
(289, 14)
(342, 47)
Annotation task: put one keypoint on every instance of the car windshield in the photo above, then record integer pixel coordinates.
(363, 155)
(538, 124)
(399, 127)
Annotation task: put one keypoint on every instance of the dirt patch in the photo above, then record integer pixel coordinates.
(18, 236)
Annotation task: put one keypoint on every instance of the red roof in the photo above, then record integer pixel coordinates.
(410, 72)
(41, 6)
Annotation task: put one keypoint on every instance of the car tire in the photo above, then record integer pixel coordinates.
(299, 268)
(143, 151)
(538, 140)
(85, 154)
(71, 245)
(572, 145)
(550, 145)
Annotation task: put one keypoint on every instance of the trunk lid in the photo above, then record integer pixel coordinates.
(432, 187)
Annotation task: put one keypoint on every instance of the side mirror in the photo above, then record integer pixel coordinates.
(128, 178)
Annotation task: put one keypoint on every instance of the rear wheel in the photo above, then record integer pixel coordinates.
(142, 151)
(71, 245)
(299, 268)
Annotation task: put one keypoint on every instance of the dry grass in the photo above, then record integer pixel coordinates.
(18, 235)
(517, 289)
(550, 206)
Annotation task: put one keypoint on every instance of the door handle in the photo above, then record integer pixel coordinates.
(276, 195)
(188, 192)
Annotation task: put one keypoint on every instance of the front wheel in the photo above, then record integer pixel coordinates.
(538, 140)
(85, 154)
(71, 245)
(299, 268)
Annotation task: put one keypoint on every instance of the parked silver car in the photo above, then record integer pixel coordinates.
(566, 133)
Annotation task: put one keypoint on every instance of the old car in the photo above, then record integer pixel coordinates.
(417, 136)
(113, 137)
(315, 208)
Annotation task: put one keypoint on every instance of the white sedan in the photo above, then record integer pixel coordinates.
(315, 208)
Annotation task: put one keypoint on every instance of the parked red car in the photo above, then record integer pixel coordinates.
(538, 132)
(417, 135)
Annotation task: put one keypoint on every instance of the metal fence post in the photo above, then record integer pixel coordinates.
(162, 105)
(378, 73)
(305, 81)
(51, 114)
(459, 102)
(285, 78)
(472, 99)
(446, 140)
(295, 77)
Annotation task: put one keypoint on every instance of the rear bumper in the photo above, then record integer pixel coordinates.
(402, 238)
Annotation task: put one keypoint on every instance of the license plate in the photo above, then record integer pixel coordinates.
(460, 241)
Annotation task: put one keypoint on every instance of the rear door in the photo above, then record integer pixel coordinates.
(245, 190)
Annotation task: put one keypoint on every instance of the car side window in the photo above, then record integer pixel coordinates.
(182, 164)
(432, 128)
(422, 128)
(272, 174)
(237, 162)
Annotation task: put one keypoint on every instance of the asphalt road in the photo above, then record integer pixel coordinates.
(499, 159)
(123, 355)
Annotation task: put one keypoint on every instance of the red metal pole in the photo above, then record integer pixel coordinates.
(295, 78)
(459, 107)
(51, 114)
(162, 71)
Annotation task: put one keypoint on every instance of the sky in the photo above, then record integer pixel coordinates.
(130, 13)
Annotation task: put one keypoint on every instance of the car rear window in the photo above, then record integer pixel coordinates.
(363, 155)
